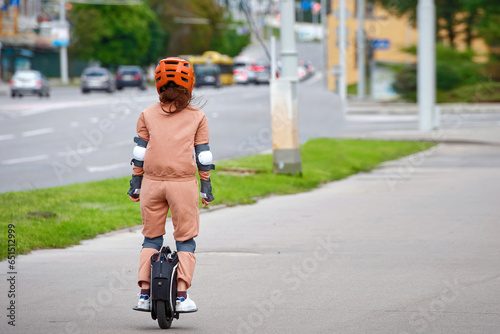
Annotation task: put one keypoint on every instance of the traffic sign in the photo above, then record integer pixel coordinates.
(316, 7)
(381, 44)
(306, 5)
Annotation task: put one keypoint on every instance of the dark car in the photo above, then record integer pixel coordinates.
(130, 76)
(29, 82)
(97, 78)
(207, 75)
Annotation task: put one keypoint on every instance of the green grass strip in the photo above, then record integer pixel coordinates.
(85, 210)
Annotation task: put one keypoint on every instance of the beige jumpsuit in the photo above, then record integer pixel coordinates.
(169, 181)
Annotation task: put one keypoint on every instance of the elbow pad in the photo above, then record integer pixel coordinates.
(139, 152)
(204, 157)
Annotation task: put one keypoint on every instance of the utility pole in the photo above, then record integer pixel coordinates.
(284, 106)
(324, 41)
(426, 77)
(64, 49)
(361, 49)
(342, 52)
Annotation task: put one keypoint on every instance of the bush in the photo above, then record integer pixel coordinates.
(493, 70)
(405, 83)
(453, 69)
(447, 77)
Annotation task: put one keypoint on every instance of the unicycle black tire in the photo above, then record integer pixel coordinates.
(161, 313)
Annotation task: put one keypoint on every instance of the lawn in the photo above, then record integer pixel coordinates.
(82, 211)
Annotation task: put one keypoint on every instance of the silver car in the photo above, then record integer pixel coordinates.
(29, 82)
(98, 78)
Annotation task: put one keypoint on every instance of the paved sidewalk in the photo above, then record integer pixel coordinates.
(412, 247)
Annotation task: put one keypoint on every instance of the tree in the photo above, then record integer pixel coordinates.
(195, 37)
(480, 17)
(114, 35)
(446, 13)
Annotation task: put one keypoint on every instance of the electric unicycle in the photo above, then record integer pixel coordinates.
(163, 293)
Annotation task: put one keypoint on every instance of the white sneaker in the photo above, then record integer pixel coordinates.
(185, 305)
(143, 304)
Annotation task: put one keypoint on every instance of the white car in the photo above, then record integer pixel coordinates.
(29, 82)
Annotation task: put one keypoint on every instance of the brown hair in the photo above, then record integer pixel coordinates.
(176, 96)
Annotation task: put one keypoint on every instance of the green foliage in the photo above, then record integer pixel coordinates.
(85, 210)
(405, 83)
(187, 38)
(482, 91)
(481, 18)
(230, 43)
(113, 35)
(453, 69)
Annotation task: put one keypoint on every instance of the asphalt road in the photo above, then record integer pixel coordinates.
(71, 137)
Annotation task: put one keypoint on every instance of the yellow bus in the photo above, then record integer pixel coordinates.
(224, 62)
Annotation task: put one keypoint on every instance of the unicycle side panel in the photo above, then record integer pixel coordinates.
(164, 286)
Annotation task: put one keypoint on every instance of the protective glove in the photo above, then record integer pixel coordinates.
(135, 186)
(206, 190)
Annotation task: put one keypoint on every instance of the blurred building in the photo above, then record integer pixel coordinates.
(25, 37)
(386, 37)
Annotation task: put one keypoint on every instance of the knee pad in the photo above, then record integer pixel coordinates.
(155, 243)
(186, 246)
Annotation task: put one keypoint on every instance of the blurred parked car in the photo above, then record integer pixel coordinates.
(130, 76)
(29, 82)
(302, 72)
(97, 78)
(245, 66)
(207, 75)
(243, 75)
(308, 67)
(262, 73)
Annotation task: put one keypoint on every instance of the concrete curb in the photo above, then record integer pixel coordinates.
(359, 108)
(422, 139)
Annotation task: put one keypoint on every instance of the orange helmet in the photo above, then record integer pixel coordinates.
(176, 70)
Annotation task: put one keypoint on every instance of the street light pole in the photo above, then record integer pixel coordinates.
(64, 49)
(284, 106)
(324, 41)
(342, 52)
(361, 49)
(426, 77)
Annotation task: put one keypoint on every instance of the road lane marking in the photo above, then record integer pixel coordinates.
(96, 169)
(128, 142)
(6, 137)
(78, 151)
(24, 160)
(37, 132)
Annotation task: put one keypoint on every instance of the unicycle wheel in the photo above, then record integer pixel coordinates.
(162, 313)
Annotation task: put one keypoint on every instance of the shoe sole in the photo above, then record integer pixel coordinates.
(135, 308)
(192, 311)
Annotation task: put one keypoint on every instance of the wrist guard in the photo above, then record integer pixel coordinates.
(135, 186)
(206, 190)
